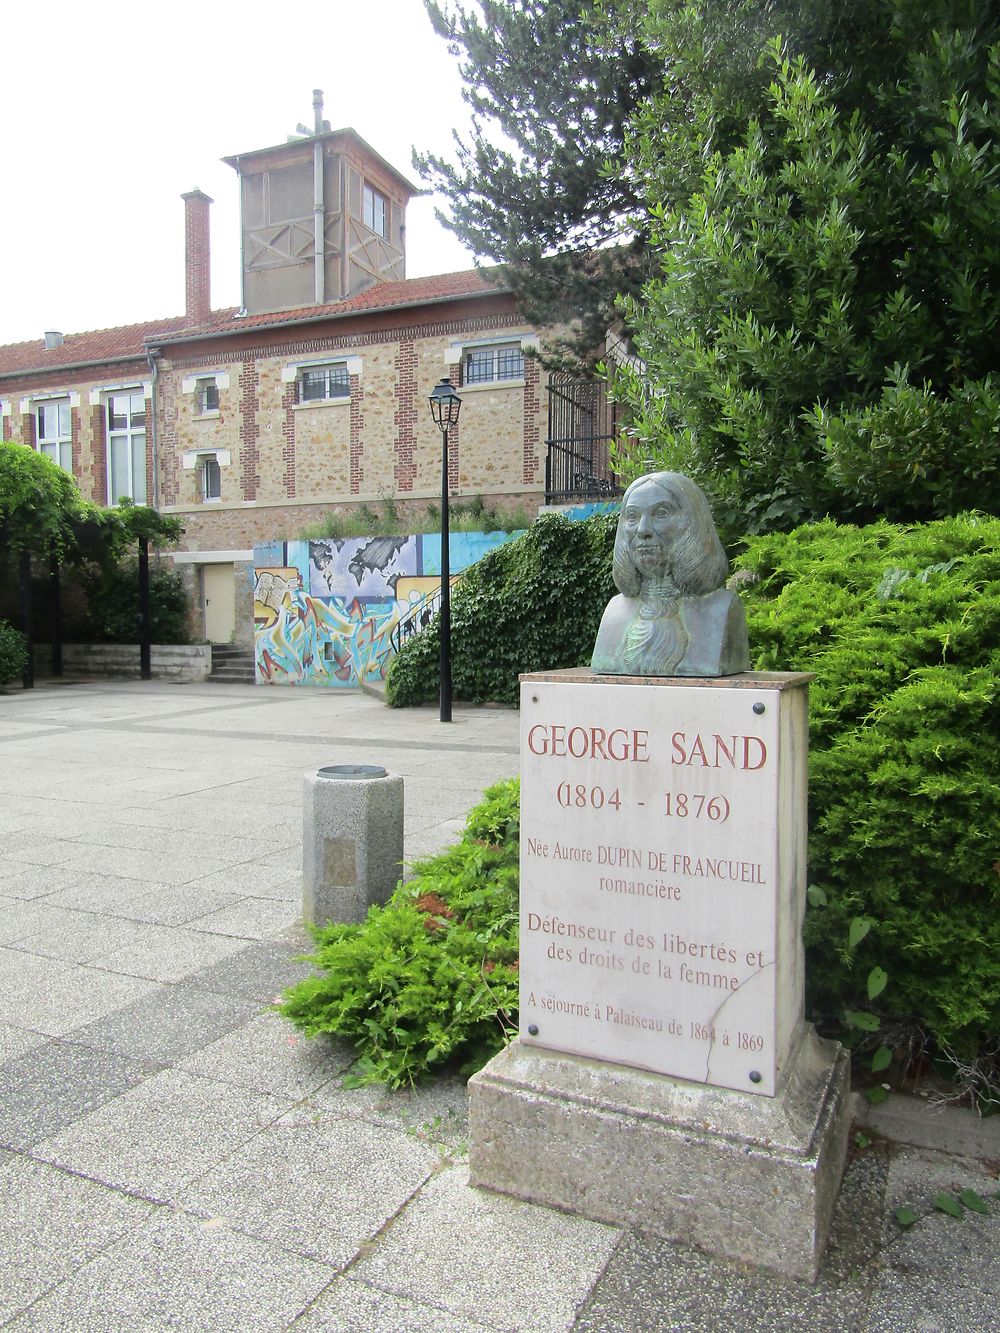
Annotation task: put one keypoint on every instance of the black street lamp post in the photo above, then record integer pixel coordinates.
(445, 407)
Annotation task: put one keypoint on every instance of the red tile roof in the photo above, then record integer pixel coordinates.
(99, 345)
(381, 296)
(131, 340)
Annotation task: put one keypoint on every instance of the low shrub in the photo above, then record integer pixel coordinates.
(472, 515)
(430, 979)
(13, 653)
(532, 605)
(901, 627)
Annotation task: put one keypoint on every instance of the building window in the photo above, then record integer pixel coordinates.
(375, 212)
(53, 432)
(211, 479)
(319, 384)
(487, 365)
(206, 396)
(126, 446)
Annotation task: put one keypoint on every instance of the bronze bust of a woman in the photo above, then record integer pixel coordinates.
(674, 616)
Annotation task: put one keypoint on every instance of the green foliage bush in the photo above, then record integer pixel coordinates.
(113, 602)
(430, 979)
(532, 605)
(13, 653)
(901, 627)
(822, 339)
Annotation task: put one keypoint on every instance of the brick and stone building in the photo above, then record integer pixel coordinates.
(252, 423)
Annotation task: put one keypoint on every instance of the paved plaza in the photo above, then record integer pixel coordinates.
(173, 1155)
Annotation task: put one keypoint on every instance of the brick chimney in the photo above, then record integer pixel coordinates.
(197, 258)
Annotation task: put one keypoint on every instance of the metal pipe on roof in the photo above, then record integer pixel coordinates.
(345, 229)
(319, 222)
(153, 357)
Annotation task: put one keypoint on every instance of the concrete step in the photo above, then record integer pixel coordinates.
(233, 663)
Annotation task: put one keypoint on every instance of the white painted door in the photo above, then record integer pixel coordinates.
(219, 591)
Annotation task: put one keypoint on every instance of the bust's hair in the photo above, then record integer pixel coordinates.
(697, 560)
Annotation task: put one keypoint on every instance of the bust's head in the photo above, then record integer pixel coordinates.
(665, 528)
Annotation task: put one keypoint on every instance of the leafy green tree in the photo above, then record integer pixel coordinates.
(822, 336)
(40, 505)
(551, 86)
(43, 513)
(43, 518)
(121, 529)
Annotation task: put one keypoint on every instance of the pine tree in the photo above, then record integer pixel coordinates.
(539, 185)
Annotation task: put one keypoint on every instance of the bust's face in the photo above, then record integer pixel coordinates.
(651, 520)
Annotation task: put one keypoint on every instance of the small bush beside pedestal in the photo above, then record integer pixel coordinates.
(430, 979)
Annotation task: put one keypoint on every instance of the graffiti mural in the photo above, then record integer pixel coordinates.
(327, 612)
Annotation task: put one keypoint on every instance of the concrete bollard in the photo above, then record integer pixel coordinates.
(352, 841)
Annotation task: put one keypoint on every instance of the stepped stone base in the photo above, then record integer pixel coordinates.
(743, 1176)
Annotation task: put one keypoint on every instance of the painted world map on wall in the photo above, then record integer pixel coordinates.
(327, 612)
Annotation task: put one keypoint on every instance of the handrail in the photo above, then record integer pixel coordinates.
(406, 626)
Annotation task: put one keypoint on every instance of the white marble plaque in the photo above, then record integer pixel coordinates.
(653, 876)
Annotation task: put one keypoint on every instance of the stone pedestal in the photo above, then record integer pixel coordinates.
(664, 1077)
(352, 841)
(745, 1177)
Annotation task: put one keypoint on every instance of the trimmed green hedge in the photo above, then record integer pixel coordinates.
(901, 627)
(532, 605)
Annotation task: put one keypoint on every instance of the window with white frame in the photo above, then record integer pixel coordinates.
(211, 478)
(126, 414)
(493, 363)
(319, 384)
(375, 211)
(54, 431)
(206, 396)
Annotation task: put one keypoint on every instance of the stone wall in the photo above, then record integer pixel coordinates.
(180, 663)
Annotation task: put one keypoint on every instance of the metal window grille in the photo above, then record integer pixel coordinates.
(484, 365)
(208, 396)
(582, 426)
(325, 382)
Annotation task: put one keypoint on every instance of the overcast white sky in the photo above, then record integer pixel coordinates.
(113, 110)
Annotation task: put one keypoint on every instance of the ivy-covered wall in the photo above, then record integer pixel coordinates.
(533, 606)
